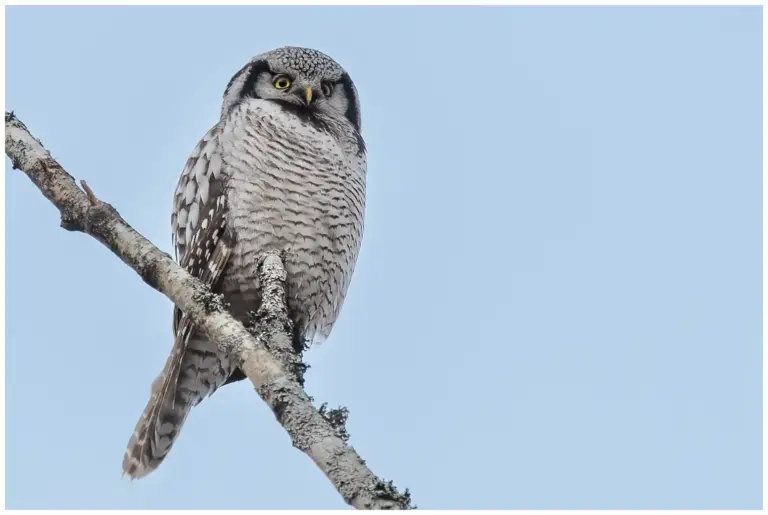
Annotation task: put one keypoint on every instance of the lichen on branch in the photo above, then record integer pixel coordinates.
(265, 354)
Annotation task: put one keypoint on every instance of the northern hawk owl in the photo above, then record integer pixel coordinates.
(283, 169)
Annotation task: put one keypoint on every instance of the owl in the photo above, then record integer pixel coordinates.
(284, 169)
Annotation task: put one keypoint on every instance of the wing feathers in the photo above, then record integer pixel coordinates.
(202, 248)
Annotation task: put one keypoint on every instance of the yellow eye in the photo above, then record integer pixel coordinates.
(282, 82)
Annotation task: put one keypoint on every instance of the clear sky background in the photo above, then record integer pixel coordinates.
(558, 300)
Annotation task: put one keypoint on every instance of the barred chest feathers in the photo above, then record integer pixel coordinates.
(295, 187)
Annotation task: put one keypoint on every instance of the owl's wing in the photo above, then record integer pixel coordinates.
(199, 224)
(199, 219)
(203, 246)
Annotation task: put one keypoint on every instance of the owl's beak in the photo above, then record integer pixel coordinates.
(308, 94)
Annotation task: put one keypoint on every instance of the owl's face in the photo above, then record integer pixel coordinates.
(302, 79)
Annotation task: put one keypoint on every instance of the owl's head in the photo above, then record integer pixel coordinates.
(302, 79)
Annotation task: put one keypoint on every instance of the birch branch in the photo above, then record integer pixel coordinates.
(319, 434)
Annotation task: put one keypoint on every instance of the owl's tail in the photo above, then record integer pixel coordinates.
(192, 372)
(154, 433)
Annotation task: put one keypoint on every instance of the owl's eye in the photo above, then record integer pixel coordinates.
(327, 89)
(282, 82)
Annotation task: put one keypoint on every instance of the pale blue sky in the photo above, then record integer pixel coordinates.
(558, 300)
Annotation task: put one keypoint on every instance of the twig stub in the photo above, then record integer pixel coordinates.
(88, 191)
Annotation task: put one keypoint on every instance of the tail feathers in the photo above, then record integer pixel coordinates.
(200, 370)
(151, 443)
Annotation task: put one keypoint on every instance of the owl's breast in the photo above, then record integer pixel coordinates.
(292, 187)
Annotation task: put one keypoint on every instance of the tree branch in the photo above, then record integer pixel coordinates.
(277, 379)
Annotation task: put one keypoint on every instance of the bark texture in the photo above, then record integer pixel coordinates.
(265, 352)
